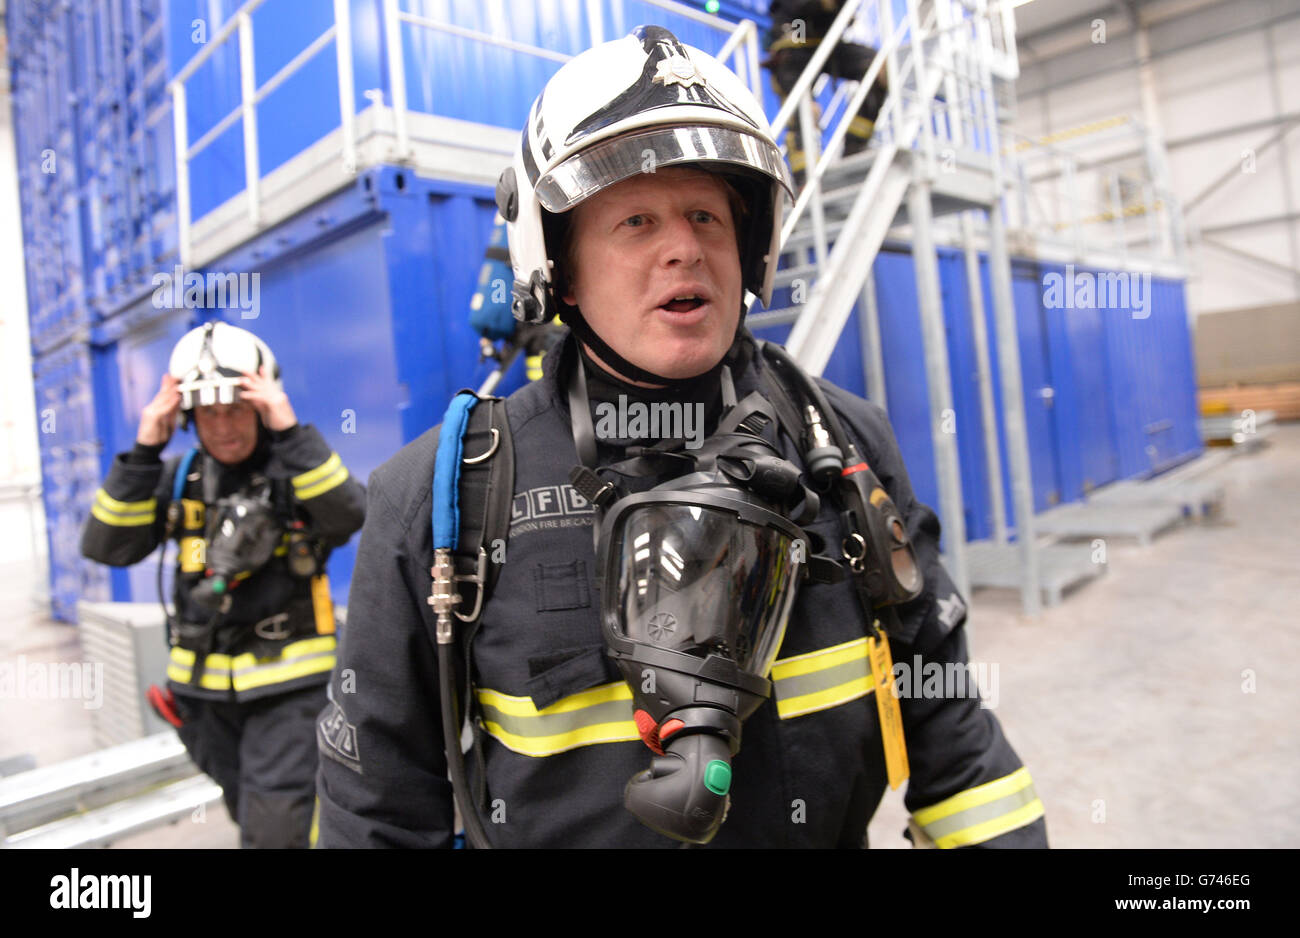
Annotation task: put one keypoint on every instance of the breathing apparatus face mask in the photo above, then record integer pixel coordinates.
(242, 537)
(699, 576)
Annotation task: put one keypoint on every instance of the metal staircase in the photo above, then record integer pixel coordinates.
(937, 151)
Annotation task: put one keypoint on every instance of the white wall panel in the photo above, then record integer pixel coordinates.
(1222, 79)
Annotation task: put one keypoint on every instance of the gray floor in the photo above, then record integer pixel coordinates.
(1131, 702)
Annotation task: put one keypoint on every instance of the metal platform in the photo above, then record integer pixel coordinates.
(1187, 487)
(1195, 498)
(1061, 567)
(38, 797)
(1141, 522)
(1238, 431)
(103, 826)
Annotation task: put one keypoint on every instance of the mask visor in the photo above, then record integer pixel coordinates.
(702, 580)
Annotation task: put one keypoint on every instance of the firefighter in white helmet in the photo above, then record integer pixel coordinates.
(255, 509)
(645, 199)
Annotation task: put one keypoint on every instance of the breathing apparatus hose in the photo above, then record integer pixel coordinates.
(789, 366)
(883, 559)
(474, 832)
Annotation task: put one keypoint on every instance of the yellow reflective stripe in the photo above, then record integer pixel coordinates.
(320, 472)
(982, 812)
(314, 834)
(281, 671)
(121, 521)
(802, 684)
(524, 706)
(125, 508)
(320, 488)
(819, 680)
(819, 660)
(600, 715)
(216, 673)
(247, 671)
(978, 833)
(824, 700)
(620, 731)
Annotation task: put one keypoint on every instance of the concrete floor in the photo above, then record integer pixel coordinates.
(1131, 702)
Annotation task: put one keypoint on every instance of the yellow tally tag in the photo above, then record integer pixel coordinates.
(891, 717)
(322, 604)
(194, 511)
(193, 555)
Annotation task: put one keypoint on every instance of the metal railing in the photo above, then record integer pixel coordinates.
(241, 24)
(1094, 203)
(952, 38)
(738, 44)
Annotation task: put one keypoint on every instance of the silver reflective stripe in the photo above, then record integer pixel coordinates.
(556, 724)
(790, 687)
(282, 665)
(603, 164)
(978, 815)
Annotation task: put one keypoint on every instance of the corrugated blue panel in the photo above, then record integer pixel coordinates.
(1153, 407)
(211, 93)
(906, 387)
(469, 80)
(968, 421)
(1179, 366)
(306, 107)
(1085, 435)
(1036, 379)
(299, 112)
(68, 447)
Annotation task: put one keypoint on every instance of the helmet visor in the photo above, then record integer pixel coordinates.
(204, 390)
(701, 580)
(610, 161)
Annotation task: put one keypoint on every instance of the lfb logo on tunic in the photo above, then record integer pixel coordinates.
(548, 506)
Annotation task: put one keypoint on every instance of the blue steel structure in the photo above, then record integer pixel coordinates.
(364, 295)
(1123, 389)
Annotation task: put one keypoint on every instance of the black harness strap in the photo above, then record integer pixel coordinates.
(486, 493)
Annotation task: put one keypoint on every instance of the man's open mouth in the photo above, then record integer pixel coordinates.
(684, 303)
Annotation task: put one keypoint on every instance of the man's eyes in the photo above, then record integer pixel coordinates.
(700, 216)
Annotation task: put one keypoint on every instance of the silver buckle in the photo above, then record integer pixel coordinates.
(273, 627)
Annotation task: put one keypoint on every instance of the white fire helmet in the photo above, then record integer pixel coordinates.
(634, 105)
(211, 360)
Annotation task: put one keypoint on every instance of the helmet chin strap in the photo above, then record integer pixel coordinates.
(574, 319)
